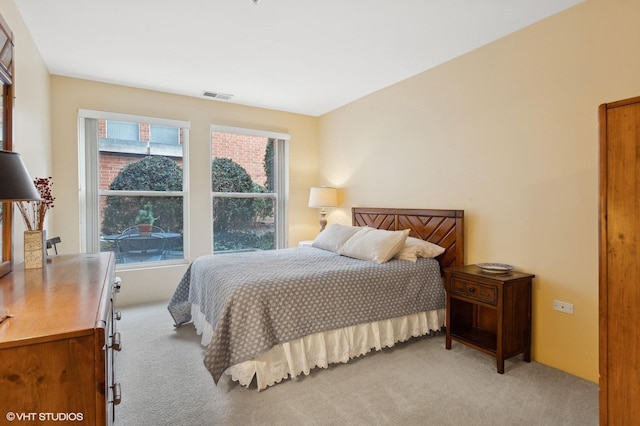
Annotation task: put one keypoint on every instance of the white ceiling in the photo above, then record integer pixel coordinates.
(301, 56)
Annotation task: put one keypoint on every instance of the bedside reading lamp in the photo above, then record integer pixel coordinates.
(15, 182)
(321, 197)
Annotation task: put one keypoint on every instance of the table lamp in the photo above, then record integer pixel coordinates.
(321, 197)
(15, 182)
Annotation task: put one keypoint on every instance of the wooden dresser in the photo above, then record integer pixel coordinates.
(57, 360)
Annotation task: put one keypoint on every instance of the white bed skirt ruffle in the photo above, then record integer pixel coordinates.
(321, 349)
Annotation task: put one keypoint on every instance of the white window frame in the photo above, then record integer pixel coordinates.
(281, 163)
(89, 192)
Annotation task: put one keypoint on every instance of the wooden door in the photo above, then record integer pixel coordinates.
(620, 262)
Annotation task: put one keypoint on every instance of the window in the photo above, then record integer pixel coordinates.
(164, 134)
(121, 130)
(248, 184)
(134, 195)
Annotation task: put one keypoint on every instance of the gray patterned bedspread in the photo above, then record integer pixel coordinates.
(256, 300)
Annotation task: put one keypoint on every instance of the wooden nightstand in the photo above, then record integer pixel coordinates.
(489, 312)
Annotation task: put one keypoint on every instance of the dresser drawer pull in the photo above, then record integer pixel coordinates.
(472, 289)
(117, 394)
(116, 345)
(116, 284)
(117, 315)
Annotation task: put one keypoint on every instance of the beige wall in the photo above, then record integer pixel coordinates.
(509, 133)
(32, 123)
(146, 285)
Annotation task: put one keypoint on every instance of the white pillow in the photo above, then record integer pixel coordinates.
(374, 244)
(415, 248)
(334, 236)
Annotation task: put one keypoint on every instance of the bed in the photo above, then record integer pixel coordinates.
(270, 315)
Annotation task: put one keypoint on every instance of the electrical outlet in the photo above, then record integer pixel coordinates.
(561, 306)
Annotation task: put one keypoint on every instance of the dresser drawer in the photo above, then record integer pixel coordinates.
(474, 291)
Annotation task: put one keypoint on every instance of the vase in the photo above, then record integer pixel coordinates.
(35, 249)
(145, 229)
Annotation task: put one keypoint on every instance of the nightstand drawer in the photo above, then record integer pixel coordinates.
(475, 291)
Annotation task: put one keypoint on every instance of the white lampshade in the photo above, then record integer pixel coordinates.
(323, 196)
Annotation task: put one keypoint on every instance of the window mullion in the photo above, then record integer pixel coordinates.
(244, 195)
(130, 193)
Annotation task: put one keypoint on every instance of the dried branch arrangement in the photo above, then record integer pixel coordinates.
(33, 212)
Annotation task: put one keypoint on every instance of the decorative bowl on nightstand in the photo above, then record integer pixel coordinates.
(495, 268)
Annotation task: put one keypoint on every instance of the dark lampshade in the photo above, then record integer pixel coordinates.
(15, 182)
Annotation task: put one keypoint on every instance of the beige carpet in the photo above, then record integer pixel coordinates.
(164, 382)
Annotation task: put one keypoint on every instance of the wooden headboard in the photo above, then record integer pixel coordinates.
(442, 227)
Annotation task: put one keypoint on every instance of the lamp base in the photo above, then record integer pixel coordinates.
(323, 219)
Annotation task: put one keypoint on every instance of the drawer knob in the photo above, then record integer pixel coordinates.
(117, 394)
(116, 284)
(116, 344)
(472, 289)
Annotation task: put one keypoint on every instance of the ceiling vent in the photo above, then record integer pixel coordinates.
(217, 95)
